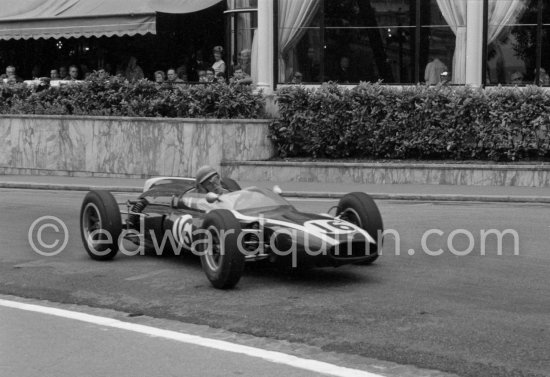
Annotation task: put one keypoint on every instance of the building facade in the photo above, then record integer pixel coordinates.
(398, 42)
(478, 42)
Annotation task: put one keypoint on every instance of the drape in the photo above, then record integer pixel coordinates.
(454, 12)
(501, 14)
(294, 16)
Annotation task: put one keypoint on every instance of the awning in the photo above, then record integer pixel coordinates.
(181, 6)
(34, 19)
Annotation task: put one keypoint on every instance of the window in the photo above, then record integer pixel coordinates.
(442, 47)
(369, 41)
(511, 42)
(408, 41)
(242, 23)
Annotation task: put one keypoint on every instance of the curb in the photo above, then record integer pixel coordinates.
(59, 187)
(428, 197)
(304, 194)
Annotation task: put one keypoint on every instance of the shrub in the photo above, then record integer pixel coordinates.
(98, 96)
(376, 121)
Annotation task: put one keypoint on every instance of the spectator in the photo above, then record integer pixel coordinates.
(11, 75)
(445, 78)
(433, 71)
(197, 64)
(516, 78)
(54, 74)
(243, 61)
(210, 75)
(544, 78)
(344, 72)
(201, 75)
(35, 72)
(63, 74)
(133, 71)
(219, 64)
(240, 77)
(73, 72)
(102, 74)
(44, 83)
(172, 77)
(220, 77)
(181, 71)
(297, 78)
(83, 71)
(160, 77)
(312, 68)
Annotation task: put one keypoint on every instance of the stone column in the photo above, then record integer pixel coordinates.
(265, 46)
(474, 42)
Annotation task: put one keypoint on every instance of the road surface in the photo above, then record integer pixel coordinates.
(471, 314)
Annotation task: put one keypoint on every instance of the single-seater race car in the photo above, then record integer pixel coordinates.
(227, 230)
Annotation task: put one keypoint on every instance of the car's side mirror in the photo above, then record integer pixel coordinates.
(277, 190)
(212, 197)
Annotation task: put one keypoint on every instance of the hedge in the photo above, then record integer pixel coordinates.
(98, 96)
(441, 122)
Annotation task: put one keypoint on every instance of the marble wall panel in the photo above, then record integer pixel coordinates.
(128, 146)
(488, 175)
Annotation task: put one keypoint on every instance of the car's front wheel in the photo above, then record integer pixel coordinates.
(100, 225)
(221, 257)
(360, 209)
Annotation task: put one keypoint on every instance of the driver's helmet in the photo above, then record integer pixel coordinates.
(208, 180)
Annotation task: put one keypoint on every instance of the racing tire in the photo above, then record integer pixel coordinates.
(222, 262)
(100, 225)
(360, 209)
(230, 184)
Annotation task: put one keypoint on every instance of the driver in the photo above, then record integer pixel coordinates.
(208, 180)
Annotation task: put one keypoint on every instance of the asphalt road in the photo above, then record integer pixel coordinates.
(473, 315)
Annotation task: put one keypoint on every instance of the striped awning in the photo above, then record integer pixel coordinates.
(34, 19)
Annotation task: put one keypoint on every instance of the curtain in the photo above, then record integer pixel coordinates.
(501, 14)
(454, 12)
(294, 16)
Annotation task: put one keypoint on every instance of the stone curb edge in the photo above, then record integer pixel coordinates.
(302, 194)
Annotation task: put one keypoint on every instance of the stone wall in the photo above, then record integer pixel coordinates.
(127, 146)
(534, 175)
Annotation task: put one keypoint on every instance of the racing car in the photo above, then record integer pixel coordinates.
(226, 231)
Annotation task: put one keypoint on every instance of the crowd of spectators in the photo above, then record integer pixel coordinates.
(201, 70)
(198, 70)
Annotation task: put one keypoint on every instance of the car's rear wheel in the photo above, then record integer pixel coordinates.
(221, 258)
(100, 225)
(360, 209)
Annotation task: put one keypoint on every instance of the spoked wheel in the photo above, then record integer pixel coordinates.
(360, 209)
(222, 259)
(100, 225)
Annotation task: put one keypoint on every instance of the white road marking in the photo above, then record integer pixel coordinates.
(272, 356)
